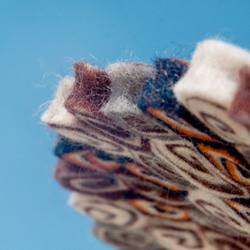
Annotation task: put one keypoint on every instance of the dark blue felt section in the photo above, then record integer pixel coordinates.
(157, 91)
(66, 146)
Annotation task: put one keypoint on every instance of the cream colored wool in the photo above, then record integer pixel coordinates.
(126, 80)
(210, 84)
(56, 113)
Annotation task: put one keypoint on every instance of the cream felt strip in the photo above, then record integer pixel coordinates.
(57, 113)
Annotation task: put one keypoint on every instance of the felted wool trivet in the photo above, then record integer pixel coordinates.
(159, 154)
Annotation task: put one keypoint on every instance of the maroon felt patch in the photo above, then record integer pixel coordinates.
(240, 107)
(91, 89)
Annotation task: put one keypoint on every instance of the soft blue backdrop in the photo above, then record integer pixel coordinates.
(40, 39)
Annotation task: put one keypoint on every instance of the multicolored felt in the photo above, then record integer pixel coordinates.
(159, 154)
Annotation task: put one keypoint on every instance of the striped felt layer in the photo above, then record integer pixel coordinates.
(159, 154)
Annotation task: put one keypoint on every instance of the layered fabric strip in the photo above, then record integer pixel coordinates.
(159, 155)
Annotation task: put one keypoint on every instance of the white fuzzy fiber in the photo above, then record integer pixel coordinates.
(57, 113)
(126, 80)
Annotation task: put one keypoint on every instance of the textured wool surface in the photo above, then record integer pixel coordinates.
(159, 154)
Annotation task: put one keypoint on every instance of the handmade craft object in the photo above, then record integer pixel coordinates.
(159, 154)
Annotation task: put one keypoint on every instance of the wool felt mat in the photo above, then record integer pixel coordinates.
(159, 154)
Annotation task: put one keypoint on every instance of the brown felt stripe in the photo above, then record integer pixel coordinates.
(91, 89)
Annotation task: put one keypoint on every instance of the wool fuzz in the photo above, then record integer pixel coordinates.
(159, 154)
(127, 79)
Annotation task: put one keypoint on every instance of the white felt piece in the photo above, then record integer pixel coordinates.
(57, 114)
(209, 86)
(126, 80)
(213, 73)
(120, 105)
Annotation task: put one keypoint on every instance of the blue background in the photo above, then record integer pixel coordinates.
(39, 41)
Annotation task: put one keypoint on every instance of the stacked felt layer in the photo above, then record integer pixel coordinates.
(159, 155)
